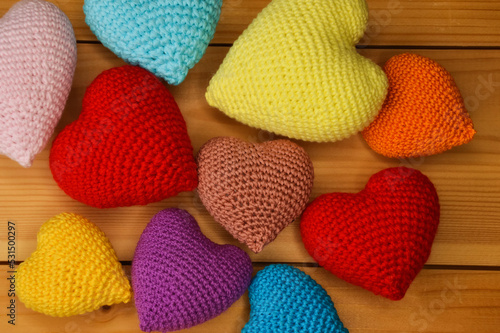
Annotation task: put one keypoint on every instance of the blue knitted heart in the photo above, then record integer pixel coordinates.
(167, 37)
(285, 299)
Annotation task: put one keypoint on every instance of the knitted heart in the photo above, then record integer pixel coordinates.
(379, 238)
(423, 114)
(254, 190)
(295, 71)
(130, 145)
(285, 299)
(180, 277)
(74, 270)
(166, 37)
(37, 63)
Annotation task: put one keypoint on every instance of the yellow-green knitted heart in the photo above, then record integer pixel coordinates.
(295, 72)
(74, 270)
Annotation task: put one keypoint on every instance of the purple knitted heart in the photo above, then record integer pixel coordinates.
(180, 277)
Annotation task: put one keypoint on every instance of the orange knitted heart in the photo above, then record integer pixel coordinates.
(254, 190)
(423, 114)
(379, 238)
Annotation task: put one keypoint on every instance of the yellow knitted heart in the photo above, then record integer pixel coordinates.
(295, 72)
(74, 270)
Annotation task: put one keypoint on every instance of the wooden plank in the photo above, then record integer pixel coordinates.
(438, 301)
(392, 22)
(396, 22)
(467, 178)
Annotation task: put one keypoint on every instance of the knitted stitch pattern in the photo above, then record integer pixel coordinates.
(295, 72)
(379, 238)
(37, 63)
(423, 114)
(180, 277)
(254, 190)
(129, 146)
(286, 300)
(74, 270)
(167, 37)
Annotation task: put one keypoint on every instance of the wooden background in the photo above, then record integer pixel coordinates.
(459, 289)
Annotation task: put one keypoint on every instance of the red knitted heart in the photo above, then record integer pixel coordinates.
(379, 238)
(130, 145)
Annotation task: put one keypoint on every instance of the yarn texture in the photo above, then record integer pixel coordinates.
(37, 63)
(379, 238)
(284, 299)
(295, 72)
(254, 190)
(167, 37)
(129, 146)
(424, 112)
(180, 277)
(74, 270)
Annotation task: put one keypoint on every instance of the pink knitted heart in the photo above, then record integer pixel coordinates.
(37, 63)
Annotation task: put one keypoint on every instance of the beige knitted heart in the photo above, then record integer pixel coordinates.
(254, 190)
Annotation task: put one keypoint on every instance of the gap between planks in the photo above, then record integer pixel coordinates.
(261, 264)
(365, 46)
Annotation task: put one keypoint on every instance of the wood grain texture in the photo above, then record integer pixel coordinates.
(467, 178)
(392, 22)
(438, 301)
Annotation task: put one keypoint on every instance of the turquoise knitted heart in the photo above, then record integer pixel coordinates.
(166, 37)
(285, 299)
